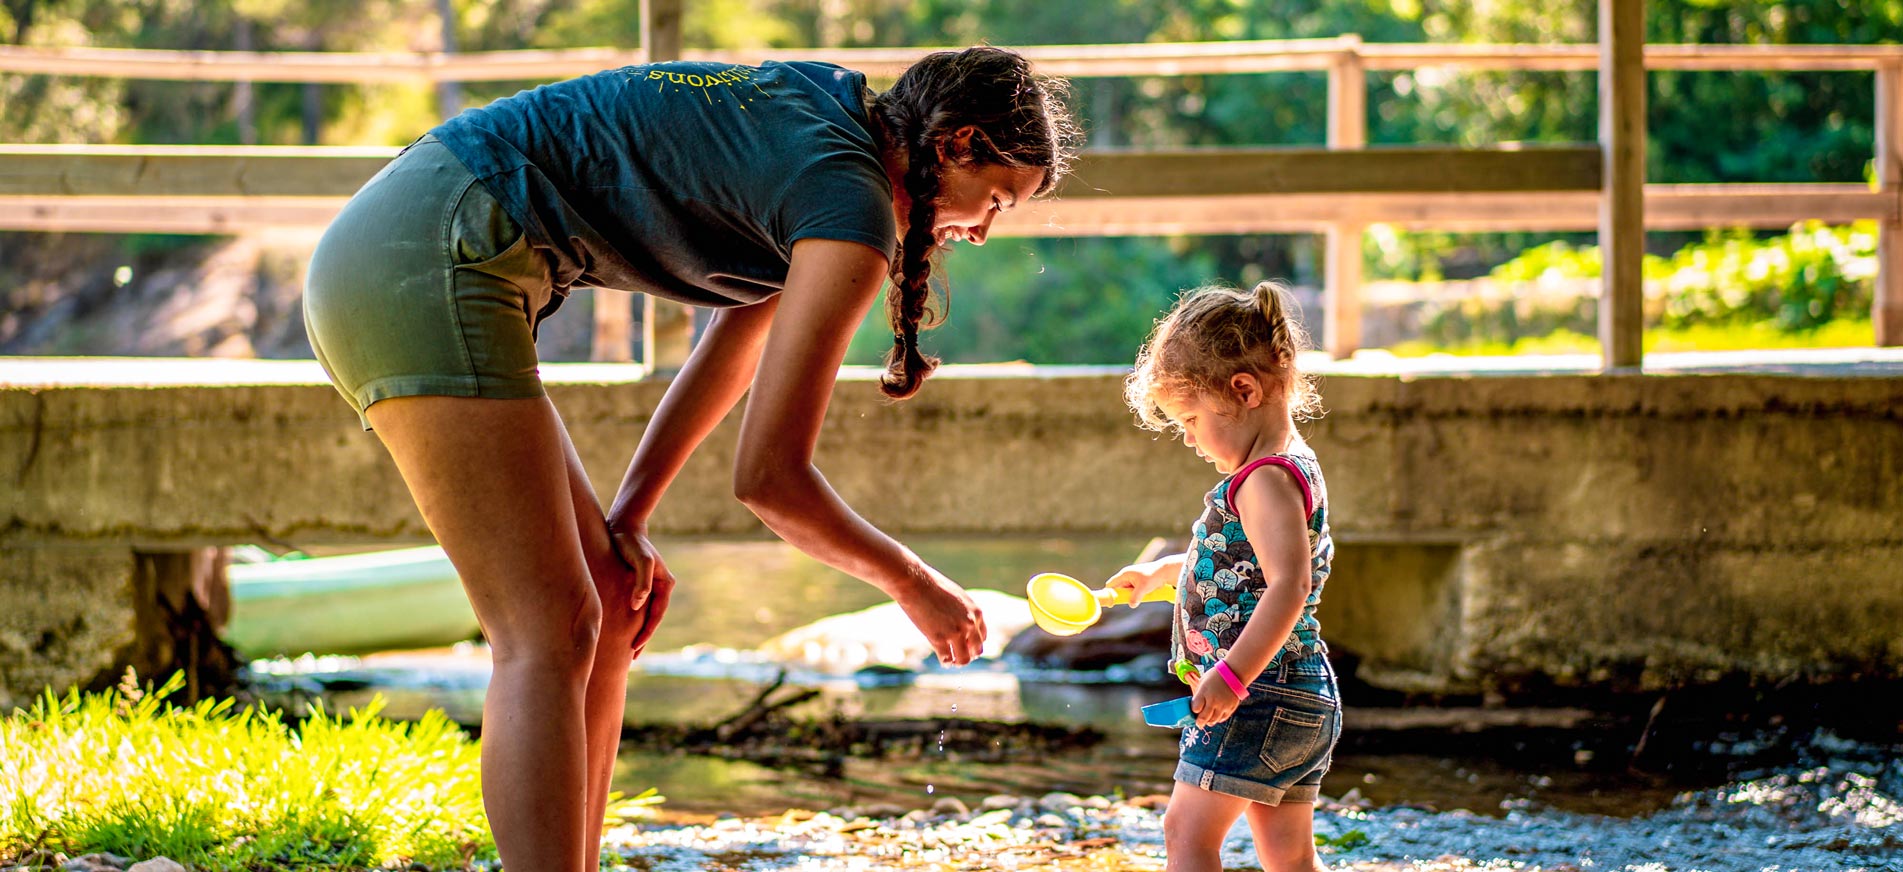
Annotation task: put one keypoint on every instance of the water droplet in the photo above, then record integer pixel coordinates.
(929, 788)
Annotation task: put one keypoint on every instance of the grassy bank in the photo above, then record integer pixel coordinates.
(218, 787)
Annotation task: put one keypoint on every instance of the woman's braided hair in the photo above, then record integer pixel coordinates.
(1021, 121)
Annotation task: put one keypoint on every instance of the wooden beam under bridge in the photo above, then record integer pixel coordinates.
(227, 189)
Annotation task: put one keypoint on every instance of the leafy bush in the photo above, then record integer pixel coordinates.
(1801, 280)
(1795, 283)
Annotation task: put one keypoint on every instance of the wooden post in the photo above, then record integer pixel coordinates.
(614, 327)
(1341, 277)
(667, 328)
(1886, 309)
(661, 29)
(449, 92)
(1622, 203)
(243, 97)
(667, 335)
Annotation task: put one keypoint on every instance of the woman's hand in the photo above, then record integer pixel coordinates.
(953, 625)
(1213, 703)
(651, 586)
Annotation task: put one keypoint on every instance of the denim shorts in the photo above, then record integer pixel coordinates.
(1279, 742)
(423, 285)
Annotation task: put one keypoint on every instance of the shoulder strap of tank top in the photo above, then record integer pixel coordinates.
(1301, 481)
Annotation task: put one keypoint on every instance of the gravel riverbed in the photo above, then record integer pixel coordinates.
(1824, 818)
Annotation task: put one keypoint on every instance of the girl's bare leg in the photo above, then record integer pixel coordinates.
(492, 483)
(1194, 827)
(1285, 836)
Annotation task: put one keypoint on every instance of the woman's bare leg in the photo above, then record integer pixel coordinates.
(607, 692)
(1285, 836)
(491, 480)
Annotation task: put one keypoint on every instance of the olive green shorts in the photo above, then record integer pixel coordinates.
(424, 286)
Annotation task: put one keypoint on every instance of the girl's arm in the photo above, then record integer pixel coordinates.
(828, 290)
(1141, 578)
(1273, 518)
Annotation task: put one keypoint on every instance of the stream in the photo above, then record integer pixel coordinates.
(1415, 788)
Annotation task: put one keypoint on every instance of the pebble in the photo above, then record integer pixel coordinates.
(951, 806)
(999, 800)
(1050, 820)
(157, 864)
(96, 863)
(1059, 802)
(994, 816)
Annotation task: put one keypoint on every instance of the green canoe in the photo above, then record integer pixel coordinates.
(352, 604)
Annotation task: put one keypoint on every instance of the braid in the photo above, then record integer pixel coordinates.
(906, 307)
(1019, 120)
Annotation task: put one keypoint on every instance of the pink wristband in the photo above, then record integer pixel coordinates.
(1229, 678)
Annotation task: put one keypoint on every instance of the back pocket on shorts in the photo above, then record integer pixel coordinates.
(1293, 738)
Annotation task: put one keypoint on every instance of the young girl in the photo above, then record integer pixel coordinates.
(783, 195)
(1220, 368)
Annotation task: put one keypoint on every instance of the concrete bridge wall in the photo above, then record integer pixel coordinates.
(1497, 529)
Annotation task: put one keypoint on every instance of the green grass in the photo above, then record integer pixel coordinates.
(221, 788)
(1703, 337)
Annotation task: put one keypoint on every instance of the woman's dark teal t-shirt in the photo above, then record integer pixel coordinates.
(686, 180)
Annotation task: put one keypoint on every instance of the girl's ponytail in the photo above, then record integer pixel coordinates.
(1268, 301)
(1214, 333)
(1286, 339)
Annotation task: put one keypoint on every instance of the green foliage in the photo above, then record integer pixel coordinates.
(221, 788)
(1794, 283)
(1475, 322)
(1846, 333)
(1080, 301)
(1801, 280)
(1347, 841)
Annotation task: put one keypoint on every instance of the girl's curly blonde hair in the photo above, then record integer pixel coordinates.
(1210, 335)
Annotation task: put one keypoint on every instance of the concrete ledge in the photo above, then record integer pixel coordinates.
(1721, 514)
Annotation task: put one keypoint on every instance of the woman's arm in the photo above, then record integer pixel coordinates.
(829, 289)
(716, 375)
(1273, 518)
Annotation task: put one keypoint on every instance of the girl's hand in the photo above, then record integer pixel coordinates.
(1213, 703)
(953, 625)
(1138, 579)
(652, 585)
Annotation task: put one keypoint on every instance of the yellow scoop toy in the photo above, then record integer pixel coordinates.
(1064, 606)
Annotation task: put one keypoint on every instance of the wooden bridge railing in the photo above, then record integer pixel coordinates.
(1338, 191)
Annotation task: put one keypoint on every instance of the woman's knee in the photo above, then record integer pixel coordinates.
(619, 622)
(562, 640)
